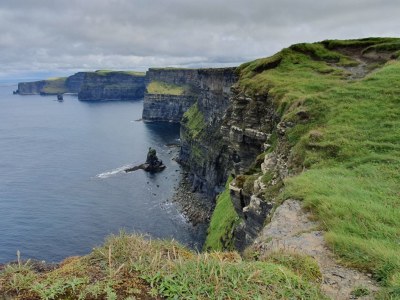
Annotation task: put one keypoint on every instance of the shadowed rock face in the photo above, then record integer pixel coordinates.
(206, 155)
(167, 108)
(174, 76)
(99, 86)
(74, 82)
(31, 88)
(71, 84)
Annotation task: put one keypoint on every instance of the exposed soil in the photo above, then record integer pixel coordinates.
(366, 62)
(292, 230)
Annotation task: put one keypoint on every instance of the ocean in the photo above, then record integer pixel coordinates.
(62, 185)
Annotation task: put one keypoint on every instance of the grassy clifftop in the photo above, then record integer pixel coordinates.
(344, 99)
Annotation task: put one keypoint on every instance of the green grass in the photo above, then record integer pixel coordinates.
(55, 86)
(129, 266)
(108, 72)
(390, 46)
(159, 87)
(222, 224)
(194, 121)
(350, 147)
(363, 43)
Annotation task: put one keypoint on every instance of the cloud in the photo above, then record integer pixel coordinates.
(58, 36)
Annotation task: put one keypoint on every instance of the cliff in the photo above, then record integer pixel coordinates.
(166, 108)
(291, 127)
(170, 92)
(73, 83)
(43, 87)
(61, 85)
(99, 85)
(175, 76)
(308, 143)
(112, 85)
(202, 149)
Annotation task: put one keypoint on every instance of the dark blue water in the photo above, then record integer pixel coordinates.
(62, 188)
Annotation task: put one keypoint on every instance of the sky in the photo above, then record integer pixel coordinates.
(40, 38)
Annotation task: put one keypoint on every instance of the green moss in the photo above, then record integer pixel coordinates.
(194, 121)
(222, 224)
(159, 87)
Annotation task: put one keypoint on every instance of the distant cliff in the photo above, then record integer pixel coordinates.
(60, 85)
(170, 93)
(112, 85)
(99, 85)
(73, 83)
(177, 76)
(43, 87)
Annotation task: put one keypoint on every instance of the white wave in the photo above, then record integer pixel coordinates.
(113, 172)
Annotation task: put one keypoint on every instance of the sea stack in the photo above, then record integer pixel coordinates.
(152, 164)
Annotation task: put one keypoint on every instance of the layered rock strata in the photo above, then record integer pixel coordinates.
(100, 86)
(202, 148)
(164, 107)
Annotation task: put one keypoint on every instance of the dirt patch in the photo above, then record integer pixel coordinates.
(292, 230)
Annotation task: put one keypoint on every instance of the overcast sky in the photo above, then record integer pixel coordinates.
(61, 37)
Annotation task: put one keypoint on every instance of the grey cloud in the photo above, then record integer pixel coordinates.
(58, 35)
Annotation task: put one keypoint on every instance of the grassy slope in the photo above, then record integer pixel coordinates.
(159, 87)
(55, 86)
(224, 218)
(350, 148)
(131, 267)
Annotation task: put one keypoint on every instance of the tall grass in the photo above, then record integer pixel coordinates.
(130, 266)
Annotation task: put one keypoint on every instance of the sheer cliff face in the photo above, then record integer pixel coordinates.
(71, 84)
(202, 148)
(99, 86)
(173, 76)
(221, 135)
(31, 88)
(74, 82)
(166, 106)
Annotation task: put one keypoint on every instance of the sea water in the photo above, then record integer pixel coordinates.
(62, 185)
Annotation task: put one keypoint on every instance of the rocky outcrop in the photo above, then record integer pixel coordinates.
(107, 85)
(152, 164)
(168, 108)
